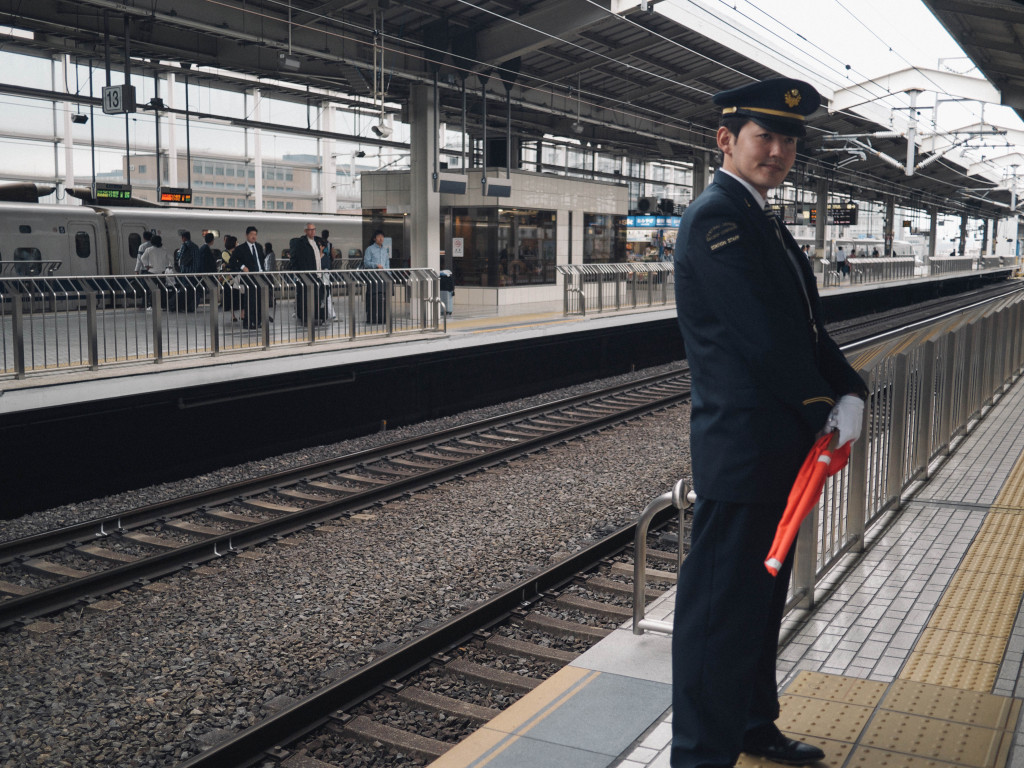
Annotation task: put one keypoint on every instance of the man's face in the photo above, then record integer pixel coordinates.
(310, 231)
(251, 236)
(379, 239)
(760, 157)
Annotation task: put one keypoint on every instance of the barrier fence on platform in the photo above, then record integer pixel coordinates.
(923, 401)
(595, 288)
(52, 324)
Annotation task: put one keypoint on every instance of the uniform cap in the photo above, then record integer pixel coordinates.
(780, 104)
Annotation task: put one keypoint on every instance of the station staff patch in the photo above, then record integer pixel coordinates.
(722, 235)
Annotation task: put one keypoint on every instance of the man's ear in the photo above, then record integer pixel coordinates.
(725, 139)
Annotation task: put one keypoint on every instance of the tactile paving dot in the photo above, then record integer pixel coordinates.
(936, 701)
(825, 719)
(938, 739)
(849, 690)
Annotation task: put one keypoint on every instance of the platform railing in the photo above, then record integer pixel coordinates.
(923, 402)
(876, 270)
(942, 265)
(52, 324)
(595, 288)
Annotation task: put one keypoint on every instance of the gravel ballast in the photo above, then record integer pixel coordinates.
(189, 660)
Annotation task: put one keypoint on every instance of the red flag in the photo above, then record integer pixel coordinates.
(822, 461)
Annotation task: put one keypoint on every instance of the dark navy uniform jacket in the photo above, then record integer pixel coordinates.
(765, 372)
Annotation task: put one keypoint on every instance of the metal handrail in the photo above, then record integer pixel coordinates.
(600, 287)
(678, 498)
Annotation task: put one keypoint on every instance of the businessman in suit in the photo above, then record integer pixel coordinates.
(307, 253)
(767, 380)
(248, 258)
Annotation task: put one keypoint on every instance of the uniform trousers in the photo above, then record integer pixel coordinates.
(725, 637)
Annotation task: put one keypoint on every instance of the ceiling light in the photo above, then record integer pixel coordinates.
(382, 130)
(577, 128)
(288, 61)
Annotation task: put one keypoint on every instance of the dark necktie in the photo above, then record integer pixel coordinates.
(255, 257)
(792, 258)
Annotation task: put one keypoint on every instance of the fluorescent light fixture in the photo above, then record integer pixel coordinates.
(79, 118)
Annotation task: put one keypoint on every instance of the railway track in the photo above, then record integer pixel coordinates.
(412, 705)
(58, 569)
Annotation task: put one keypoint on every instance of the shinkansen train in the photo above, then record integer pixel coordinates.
(94, 240)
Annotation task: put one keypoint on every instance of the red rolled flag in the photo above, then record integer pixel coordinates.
(823, 461)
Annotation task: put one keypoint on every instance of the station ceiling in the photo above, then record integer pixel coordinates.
(600, 71)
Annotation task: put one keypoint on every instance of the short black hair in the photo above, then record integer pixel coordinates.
(377, 232)
(208, 237)
(147, 235)
(325, 234)
(186, 235)
(249, 229)
(268, 247)
(158, 241)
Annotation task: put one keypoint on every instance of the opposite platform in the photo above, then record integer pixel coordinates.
(911, 659)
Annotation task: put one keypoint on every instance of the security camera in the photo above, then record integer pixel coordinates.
(80, 119)
(382, 130)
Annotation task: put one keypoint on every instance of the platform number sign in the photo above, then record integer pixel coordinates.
(118, 99)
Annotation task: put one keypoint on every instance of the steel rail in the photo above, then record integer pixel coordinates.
(315, 710)
(20, 609)
(135, 518)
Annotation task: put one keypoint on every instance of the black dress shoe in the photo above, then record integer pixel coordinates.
(781, 749)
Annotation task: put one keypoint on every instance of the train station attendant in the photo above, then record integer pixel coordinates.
(767, 380)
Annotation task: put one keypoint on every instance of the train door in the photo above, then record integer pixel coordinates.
(124, 230)
(84, 247)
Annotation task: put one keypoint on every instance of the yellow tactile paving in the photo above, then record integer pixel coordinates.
(970, 707)
(987, 648)
(938, 739)
(950, 670)
(903, 724)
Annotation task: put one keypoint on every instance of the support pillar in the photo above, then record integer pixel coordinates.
(257, 149)
(890, 224)
(425, 216)
(933, 231)
(700, 172)
(328, 162)
(821, 217)
(172, 135)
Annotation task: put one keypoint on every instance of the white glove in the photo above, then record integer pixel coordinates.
(847, 417)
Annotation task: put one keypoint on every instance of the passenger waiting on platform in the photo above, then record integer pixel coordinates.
(306, 256)
(157, 260)
(208, 262)
(375, 257)
(327, 261)
(841, 266)
(147, 242)
(186, 260)
(269, 258)
(232, 287)
(874, 253)
(247, 258)
(767, 381)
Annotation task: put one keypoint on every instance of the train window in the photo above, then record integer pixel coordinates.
(134, 241)
(28, 261)
(83, 245)
(25, 229)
